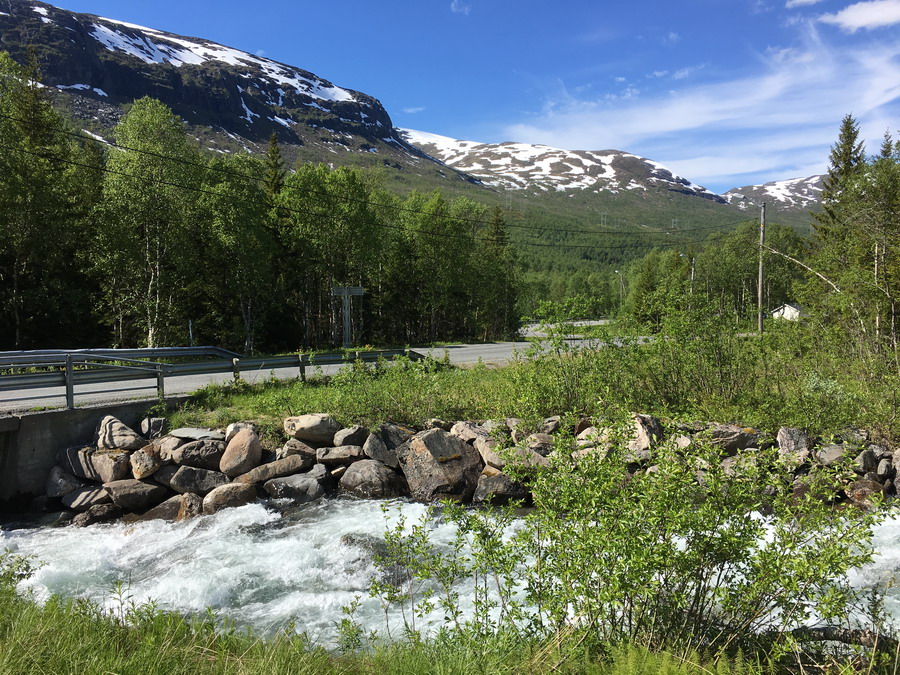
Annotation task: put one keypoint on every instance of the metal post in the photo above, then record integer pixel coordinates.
(759, 287)
(346, 303)
(70, 384)
(160, 381)
(236, 367)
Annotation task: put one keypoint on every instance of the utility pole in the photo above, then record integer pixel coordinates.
(759, 286)
(345, 293)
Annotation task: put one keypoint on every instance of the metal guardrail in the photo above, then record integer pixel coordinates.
(79, 367)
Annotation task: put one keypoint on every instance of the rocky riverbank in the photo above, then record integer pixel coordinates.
(182, 473)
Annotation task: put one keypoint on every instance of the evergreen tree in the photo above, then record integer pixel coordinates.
(275, 172)
(847, 159)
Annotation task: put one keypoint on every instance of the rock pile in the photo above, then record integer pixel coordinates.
(187, 472)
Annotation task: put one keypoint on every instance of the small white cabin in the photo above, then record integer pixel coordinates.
(789, 311)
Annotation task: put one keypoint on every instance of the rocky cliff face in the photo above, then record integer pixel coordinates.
(104, 64)
(796, 194)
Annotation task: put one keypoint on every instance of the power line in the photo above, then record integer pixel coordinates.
(347, 198)
(399, 228)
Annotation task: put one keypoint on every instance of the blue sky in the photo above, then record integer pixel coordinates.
(724, 92)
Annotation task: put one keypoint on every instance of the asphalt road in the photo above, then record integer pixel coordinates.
(17, 402)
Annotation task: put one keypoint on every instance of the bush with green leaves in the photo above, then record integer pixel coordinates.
(693, 553)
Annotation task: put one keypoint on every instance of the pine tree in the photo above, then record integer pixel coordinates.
(846, 161)
(275, 174)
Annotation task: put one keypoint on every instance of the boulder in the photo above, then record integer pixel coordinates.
(732, 438)
(355, 435)
(438, 465)
(885, 469)
(111, 465)
(86, 497)
(312, 428)
(863, 492)
(167, 510)
(582, 424)
(339, 456)
(830, 455)
(135, 495)
(145, 462)
(371, 479)
(165, 446)
(487, 448)
(232, 429)
(541, 443)
(792, 441)
(242, 454)
(198, 481)
(98, 513)
(114, 434)
(648, 431)
(205, 454)
(499, 489)
(195, 434)
(101, 466)
(469, 431)
(164, 474)
(60, 483)
(435, 423)
(226, 496)
(295, 447)
(551, 424)
(191, 507)
(154, 427)
(280, 467)
(375, 448)
(300, 488)
(866, 462)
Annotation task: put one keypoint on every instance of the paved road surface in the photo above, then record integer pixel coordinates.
(87, 395)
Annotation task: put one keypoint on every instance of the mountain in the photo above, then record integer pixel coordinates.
(232, 99)
(520, 166)
(795, 194)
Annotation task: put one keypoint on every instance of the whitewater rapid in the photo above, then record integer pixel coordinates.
(255, 565)
(273, 569)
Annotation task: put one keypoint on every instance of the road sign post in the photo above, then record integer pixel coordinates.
(346, 292)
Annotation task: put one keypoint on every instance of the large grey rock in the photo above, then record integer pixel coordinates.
(242, 454)
(98, 513)
(375, 448)
(228, 496)
(339, 456)
(60, 483)
(95, 465)
(312, 428)
(84, 498)
(551, 424)
(300, 488)
(487, 448)
(164, 474)
(864, 492)
(195, 434)
(371, 479)
(165, 446)
(145, 462)
(167, 510)
(198, 481)
(114, 434)
(833, 454)
(280, 467)
(732, 438)
(540, 443)
(135, 495)
(154, 427)
(206, 454)
(438, 465)
(866, 462)
(295, 447)
(469, 431)
(355, 435)
(499, 489)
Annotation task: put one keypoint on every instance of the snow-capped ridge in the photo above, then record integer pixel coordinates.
(792, 194)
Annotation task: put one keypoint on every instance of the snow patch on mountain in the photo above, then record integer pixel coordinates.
(156, 47)
(794, 194)
(519, 166)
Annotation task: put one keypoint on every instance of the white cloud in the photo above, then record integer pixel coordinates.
(790, 4)
(672, 37)
(413, 111)
(459, 7)
(869, 14)
(783, 118)
(260, 52)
